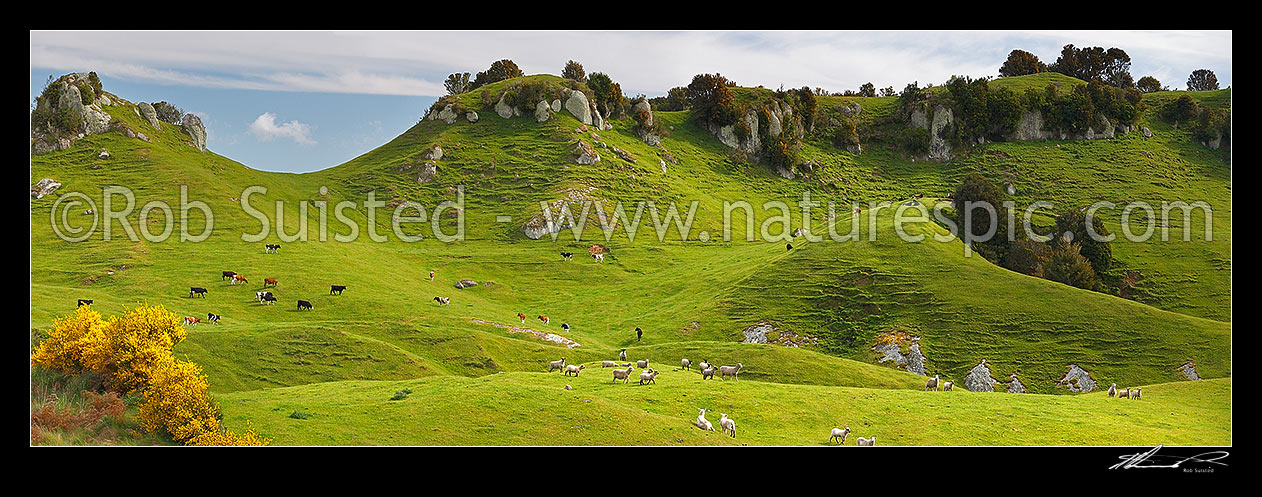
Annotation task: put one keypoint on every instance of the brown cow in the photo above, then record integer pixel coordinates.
(238, 280)
(269, 281)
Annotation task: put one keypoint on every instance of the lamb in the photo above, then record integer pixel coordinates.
(622, 356)
(608, 364)
(1124, 393)
(705, 364)
(707, 373)
(685, 364)
(702, 422)
(648, 375)
(642, 363)
(573, 369)
(840, 435)
(946, 387)
(932, 384)
(622, 374)
(1113, 390)
(728, 424)
(866, 442)
(556, 365)
(725, 371)
(1136, 393)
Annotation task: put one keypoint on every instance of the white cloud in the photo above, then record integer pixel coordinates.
(266, 129)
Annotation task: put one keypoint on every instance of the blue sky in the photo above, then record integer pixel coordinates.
(302, 101)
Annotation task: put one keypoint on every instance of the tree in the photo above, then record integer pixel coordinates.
(1097, 251)
(1020, 63)
(167, 112)
(1067, 266)
(1027, 256)
(1112, 65)
(711, 97)
(867, 90)
(980, 191)
(573, 70)
(1202, 80)
(1148, 84)
(500, 70)
(806, 105)
(911, 94)
(457, 83)
(888, 91)
(609, 98)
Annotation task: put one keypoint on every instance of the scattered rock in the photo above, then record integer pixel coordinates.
(540, 224)
(1015, 385)
(1189, 370)
(1147, 132)
(623, 154)
(435, 153)
(44, 187)
(979, 379)
(448, 114)
(662, 163)
(193, 127)
(586, 154)
(503, 109)
(757, 333)
(543, 112)
(578, 105)
(556, 105)
(1009, 189)
(462, 284)
(890, 344)
(542, 335)
(471, 116)
(147, 111)
(428, 173)
(644, 106)
(103, 154)
(1078, 380)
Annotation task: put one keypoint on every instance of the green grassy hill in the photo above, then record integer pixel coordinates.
(344, 359)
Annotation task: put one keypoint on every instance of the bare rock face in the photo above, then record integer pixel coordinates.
(193, 127)
(586, 154)
(757, 333)
(979, 379)
(1015, 385)
(448, 115)
(541, 224)
(939, 149)
(1189, 370)
(644, 105)
(435, 153)
(556, 105)
(428, 173)
(44, 187)
(150, 115)
(578, 105)
(543, 111)
(1078, 380)
(503, 109)
(919, 117)
(471, 116)
(462, 284)
(889, 345)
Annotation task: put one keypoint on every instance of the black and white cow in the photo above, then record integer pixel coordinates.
(194, 290)
(261, 296)
(302, 304)
(443, 300)
(269, 299)
(212, 318)
(336, 289)
(227, 275)
(567, 256)
(273, 248)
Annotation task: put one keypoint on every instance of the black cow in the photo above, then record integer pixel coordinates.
(788, 246)
(83, 302)
(196, 291)
(269, 299)
(212, 317)
(227, 275)
(302, 304)
(337, 289)
(567, 256)
(273, 248)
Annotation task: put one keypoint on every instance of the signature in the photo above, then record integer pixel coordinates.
(1151, 459)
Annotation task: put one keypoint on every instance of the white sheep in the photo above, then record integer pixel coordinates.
(574, 369)
(866, 442)
(705, 364)
(946, 387)
(840, 435)
(648, 375)
(1113, 390)
(932, 384)
(1135, 394)
(608, 364)
(707, 373)
(622, 356)
(642, 363)
(622, 374)
(556, 365)
(725, 371)
(685, 364)
(1124, 393)
(702, 422)
(728, 424)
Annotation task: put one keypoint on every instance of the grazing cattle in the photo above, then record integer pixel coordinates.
(443, 300)
(196, 291)
(544, 319)
(227, 274)
(273, 248)
(523, 317)
(431, 276)
(788, 246)
(567, 256)
(269, 299)
(565, 326)
(262, 295)
(212, 318)
(192, 320)
(599, 257)
(83, 302)
(336, 289)
(302, 304)
(238, 280)
(919, 195)
(269, 281)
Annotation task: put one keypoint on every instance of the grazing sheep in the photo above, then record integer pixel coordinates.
(1124, 393)
(725, 371)
(608, 364)
(728, 424)
(1113, 390)
(702, 422)
(685, 364)
(622, 374)
(567, 387)
(1136, 393)
(556, 365)
(625, 365)
(932, 384)
(866, 442)
(622, 356)
(648, 375)
(574, 369)
(840, 435)
(946, 387)
(642, 363)
(705, 364)
(707, 373)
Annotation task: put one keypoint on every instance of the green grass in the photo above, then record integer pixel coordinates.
(342, 361)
